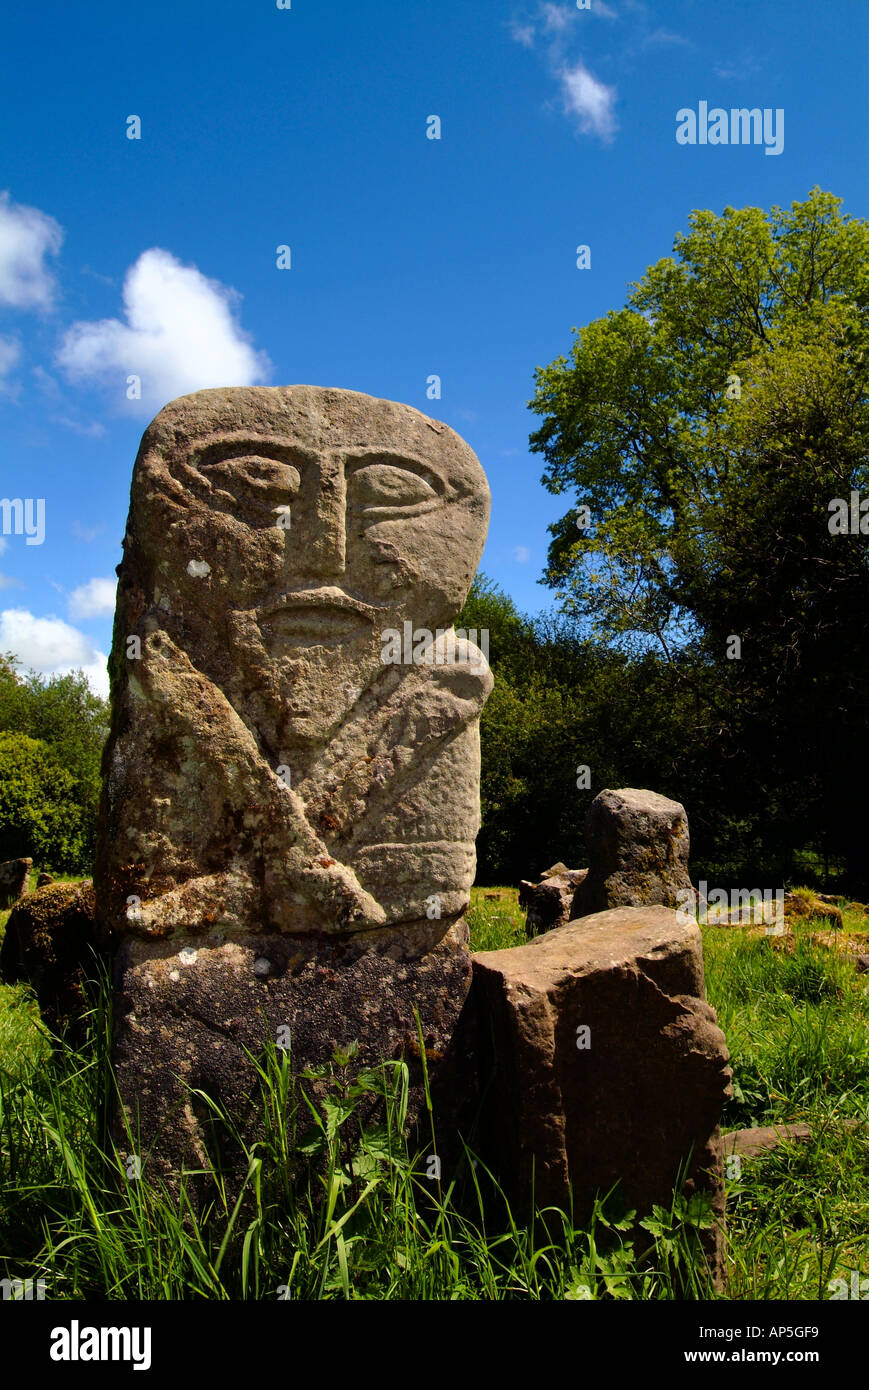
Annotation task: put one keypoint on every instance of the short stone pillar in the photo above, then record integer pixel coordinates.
(50, 943)
(604, 1064)
(14, 875)
(637, 844)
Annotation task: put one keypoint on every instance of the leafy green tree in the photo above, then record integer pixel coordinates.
(563, 703)
(39, 816)
(707, 427)
(65, 717)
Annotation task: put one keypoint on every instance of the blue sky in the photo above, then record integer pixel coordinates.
(411, 257)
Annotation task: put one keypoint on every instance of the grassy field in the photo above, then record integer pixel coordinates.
(359, 1218)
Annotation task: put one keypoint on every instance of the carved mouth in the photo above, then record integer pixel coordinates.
(315, 618)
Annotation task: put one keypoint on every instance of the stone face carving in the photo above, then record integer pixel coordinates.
(267, 770)
(288, 819)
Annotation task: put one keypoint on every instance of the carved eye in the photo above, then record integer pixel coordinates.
(261, 476)
(383, 486)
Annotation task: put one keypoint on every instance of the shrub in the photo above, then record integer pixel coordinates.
(39, 816)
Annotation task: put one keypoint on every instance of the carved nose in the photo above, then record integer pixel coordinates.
(326, 554)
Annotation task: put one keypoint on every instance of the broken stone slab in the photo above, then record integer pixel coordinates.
(287, 778)
(50, 943)
(14, 874)
(749, 1143)
(607, 1064)
(548, 903)
(638, 844)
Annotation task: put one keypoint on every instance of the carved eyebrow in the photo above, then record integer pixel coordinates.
(360, 458)
(225, 448)
(365, 455)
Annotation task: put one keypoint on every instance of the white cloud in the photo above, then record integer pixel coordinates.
(180, 335)
(739, 70)
(583, 95)
(97, 674)
(7, 582)
(555, 18)
(97, 275)
(86, 533)
(46, 383)
(3, 544)
(523, 33)
(521, 554)
(93, 599)
(94, 430)
(589, 99)
(53, 647)
(665, 36)
(10, 355)
(27, 236)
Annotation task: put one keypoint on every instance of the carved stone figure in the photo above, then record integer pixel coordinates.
(289, 811)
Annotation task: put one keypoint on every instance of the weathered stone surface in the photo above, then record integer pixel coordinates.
(269, 774)
(548, 903)
(44, 879)
(191, 1015)
(50, 943)
(638, 846)
(624, 1102)
(14, 874)
(814, 907)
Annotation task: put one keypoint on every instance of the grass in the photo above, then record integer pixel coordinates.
(328, 1211)
(334, 1211)
(796, 1016)
(22, 1044)
(496, 920)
